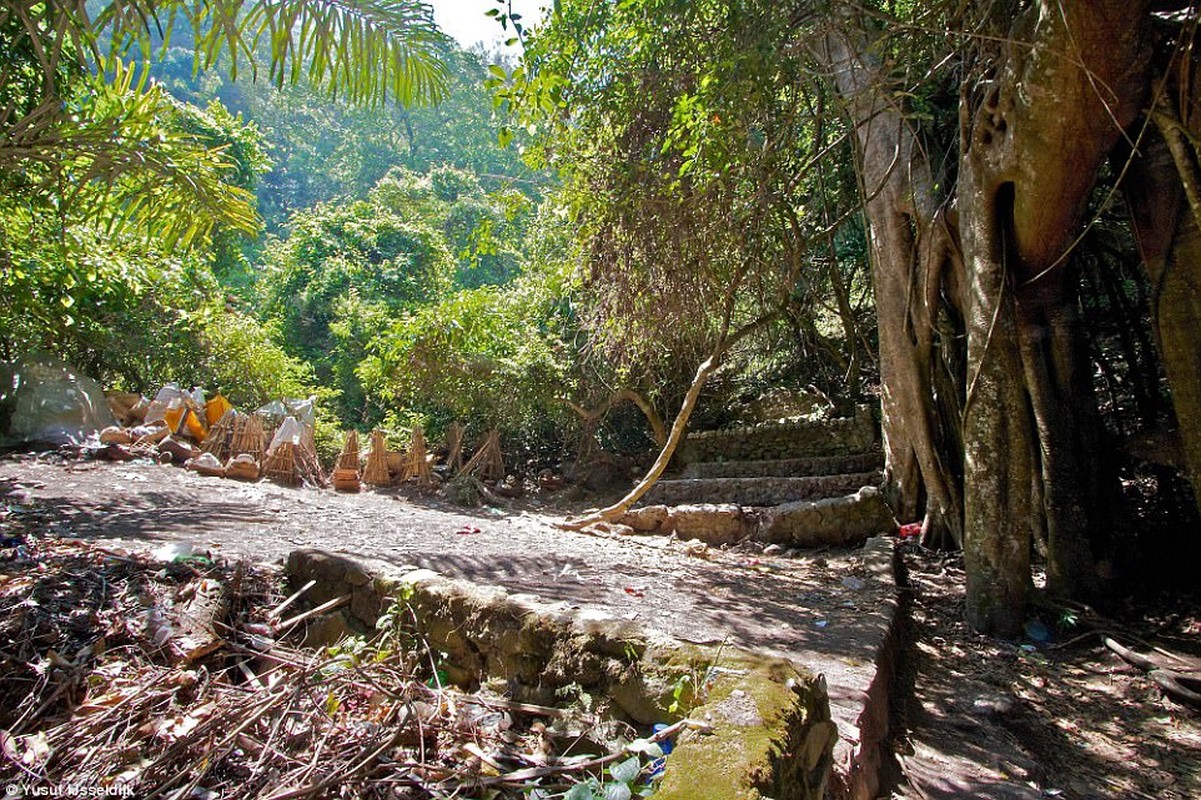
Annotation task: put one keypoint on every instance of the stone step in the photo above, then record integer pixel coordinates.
(786, 467)
(785, 438)
(764, 491)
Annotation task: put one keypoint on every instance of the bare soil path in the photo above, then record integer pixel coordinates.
(987, 719)
(773, 604)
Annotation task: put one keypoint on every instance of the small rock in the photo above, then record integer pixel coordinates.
(998, 706)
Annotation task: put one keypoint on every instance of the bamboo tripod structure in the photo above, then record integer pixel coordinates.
(488, 463)
(417, 463)
(376, 472)
(346, 475)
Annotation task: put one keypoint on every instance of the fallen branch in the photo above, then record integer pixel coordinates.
(283, 627)
(523, 775)
(707, 368)
(275, 612)
(1181, 687)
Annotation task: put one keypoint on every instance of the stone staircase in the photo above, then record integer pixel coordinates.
(794, 482)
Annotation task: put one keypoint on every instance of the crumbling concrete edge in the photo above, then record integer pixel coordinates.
(861, 755)
(771, 733)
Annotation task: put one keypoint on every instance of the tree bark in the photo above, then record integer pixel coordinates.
(915, 267)
(1168, 231)
(1071, 79)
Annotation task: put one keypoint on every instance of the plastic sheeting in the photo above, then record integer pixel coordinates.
(45, 401)
(303, 410)
(290, 430)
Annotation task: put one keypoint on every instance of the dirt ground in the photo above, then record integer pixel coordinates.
(1066, 718)
(1063, 718)
(770, 603)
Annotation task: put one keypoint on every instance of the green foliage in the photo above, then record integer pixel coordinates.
(368, 52)
(339, 279)
(621, 783)
(109, 186)
(135, 316)
(693, 165)
(488, 356)
(95, 237)
(326, 150)
(126, 158)
(347, 272)
(82, 132)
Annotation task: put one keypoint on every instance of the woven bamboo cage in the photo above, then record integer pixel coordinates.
(293, 463)
(249, 438)
(347, 477)
(308, 464)
(417, 462)
(280, 466)
(220, 439)
(236, 434)
(376, 472)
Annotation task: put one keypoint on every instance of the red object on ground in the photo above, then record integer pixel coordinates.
(911, 531)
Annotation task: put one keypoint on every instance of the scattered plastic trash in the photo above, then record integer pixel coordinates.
(636, 591)
(910, 531)
(290, 431)
(304, 410)
(822, 623)
(1037, 631)
(569, 571)
(182, 553)
(467, 529)
(666, 746)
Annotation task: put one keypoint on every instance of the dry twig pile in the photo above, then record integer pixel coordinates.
(104, 681)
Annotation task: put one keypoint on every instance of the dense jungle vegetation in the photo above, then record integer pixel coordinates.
(982, 214)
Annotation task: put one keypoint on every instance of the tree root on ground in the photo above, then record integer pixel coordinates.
(1182, 685)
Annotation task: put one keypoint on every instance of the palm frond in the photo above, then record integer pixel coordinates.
(113, 156)
(364, 50)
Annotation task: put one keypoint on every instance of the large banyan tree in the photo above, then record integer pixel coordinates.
(989, 407)
(993, 142)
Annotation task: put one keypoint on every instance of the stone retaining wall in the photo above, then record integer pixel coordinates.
(838, 521)
(770, 733)
(756, 491)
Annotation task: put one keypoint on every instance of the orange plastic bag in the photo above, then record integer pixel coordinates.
(216, 408)
(195, 427)
(173, 415)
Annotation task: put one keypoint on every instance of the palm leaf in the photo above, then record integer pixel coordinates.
(113, 156)
(364, 50)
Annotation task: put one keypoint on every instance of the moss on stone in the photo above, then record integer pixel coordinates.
(765, 718)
